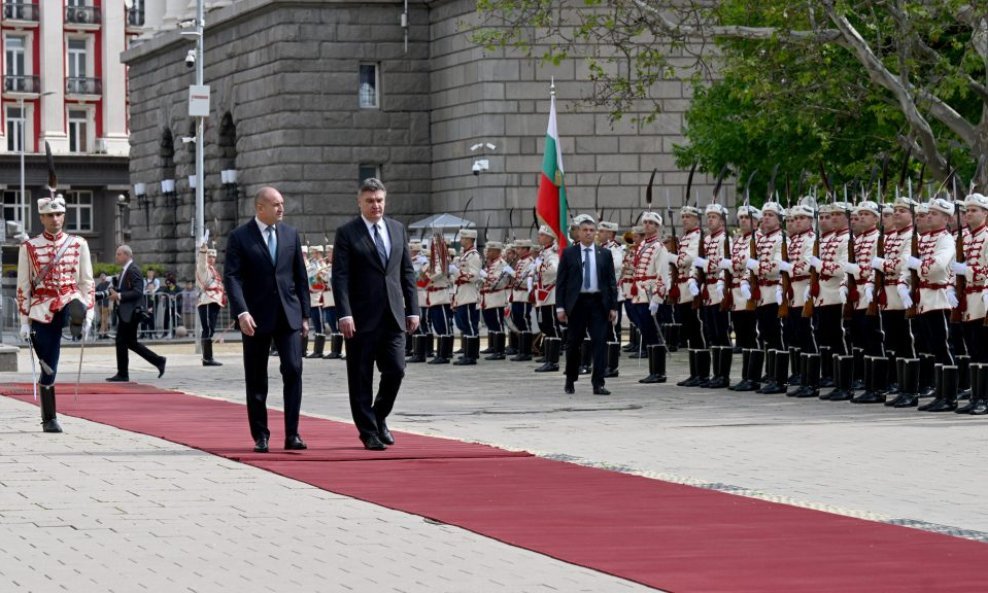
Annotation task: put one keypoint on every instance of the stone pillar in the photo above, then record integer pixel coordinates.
(52, 48)
(154, 15)
(114, 103)
(173, 13)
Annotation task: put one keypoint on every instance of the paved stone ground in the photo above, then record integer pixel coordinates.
(909, 467)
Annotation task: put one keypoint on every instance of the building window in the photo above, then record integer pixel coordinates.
(15, 128)
(16, 209)
(369, 95)
(77, 58)
(78, 130)
(14, 50)
(368, 170)
(78, 211)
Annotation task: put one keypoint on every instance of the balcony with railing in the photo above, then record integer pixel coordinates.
(83, 86)
(29, 85)
(82, 16)
(23, 12)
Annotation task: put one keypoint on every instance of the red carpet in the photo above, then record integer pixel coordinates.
(673, 537)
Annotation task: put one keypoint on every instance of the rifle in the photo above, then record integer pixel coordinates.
(852, 281)
(673, 294)
(913, 251)
(957, 313)
(878, 278)
(784, 278)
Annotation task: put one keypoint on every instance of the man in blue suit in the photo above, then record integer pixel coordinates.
(586, 299)
(268, 288)
(376, 299)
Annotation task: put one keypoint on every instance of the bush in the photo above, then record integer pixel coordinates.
(110, 269)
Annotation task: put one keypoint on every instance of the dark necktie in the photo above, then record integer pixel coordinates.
(586, 268)
(381, 251)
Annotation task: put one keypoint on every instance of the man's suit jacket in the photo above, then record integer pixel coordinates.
(569, 279)
(256, 285)
(363, 288)
(130, 285)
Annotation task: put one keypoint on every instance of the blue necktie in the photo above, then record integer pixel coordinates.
(381, 251)
(586, 268)
(272, 244)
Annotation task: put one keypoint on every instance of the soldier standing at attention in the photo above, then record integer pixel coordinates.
(212, 298)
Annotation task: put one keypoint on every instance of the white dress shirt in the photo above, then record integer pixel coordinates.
(383, 230)
(592, 256)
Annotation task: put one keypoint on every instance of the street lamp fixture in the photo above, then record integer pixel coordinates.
(141, 191)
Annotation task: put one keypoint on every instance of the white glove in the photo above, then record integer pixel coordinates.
(726, 265)
(509, 271)
(806, 293)
(877, 263)
(537, 262)
(653, 307)
(746, 290)
(852, 269)
(482, 273)
(984, 298)
(531, 267)
(87, 327)
(952, 297)
(778, 295)
(453, 269)
(913, 263)
(719, 291)
(25, 331)
(784, 266)
(751, 264)
(692, 286)
(700, 263)
(903, 291)
(959, 268)
(528, 283)
(816, 262)
(843, 294)
(869, 294)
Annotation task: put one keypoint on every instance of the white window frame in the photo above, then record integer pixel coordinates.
(79, 201)
(21, 209)
(87, 57)
(361, 166)
(12, 145)
(8, 68)
(89, 123)
(377, 86)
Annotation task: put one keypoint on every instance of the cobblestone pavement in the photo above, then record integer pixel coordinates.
(918, 469)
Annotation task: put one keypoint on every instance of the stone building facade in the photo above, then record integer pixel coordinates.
(311, 95)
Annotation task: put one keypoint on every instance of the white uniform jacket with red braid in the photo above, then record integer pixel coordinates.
(768, 248)
(799, 249)
(689, 247)
(976, 258)
(467, 278)
(833, 255)
(712, 289)
(740, 250)
(897, 248)
(936, 252)
(652, 272)
(68, 278)
(865, 248)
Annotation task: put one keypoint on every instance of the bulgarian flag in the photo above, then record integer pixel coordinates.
(551, 205)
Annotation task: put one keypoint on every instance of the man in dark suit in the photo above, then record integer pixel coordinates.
(128, 292)
(586, 299)
(268, 288)
(376, 300)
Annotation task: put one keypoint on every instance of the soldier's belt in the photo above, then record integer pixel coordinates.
(768, 282)
(891, 283)
(974, 289)
(934, 285)
(803, 278)
(435, 289)
(712, 281)
(47, 292)
(643, 278)
(826, 277)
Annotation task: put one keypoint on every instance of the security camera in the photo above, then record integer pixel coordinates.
(190, 58)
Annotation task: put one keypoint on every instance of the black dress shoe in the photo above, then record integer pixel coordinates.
(600, 391)
(261, 445)
(161, 367)
(118, 379)
(373, 443)
(295, 443)
(569, 388)
(384, 434)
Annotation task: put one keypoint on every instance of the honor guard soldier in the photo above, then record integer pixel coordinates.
(55, 288)
(494, 293)
(313, 268)
(521, 298)
(936, 298)
(547, 264)
(742, 305)
(765, 288)
(682, 295)
(800, 336)
(708, 270)
(634, 239)
(606, 234)
(438, 298)
(865, 325)
(422, 339)
(649, 288)
(894, 299)
(974, 270)
(830, 298)
(467, 273)
(212, 298)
